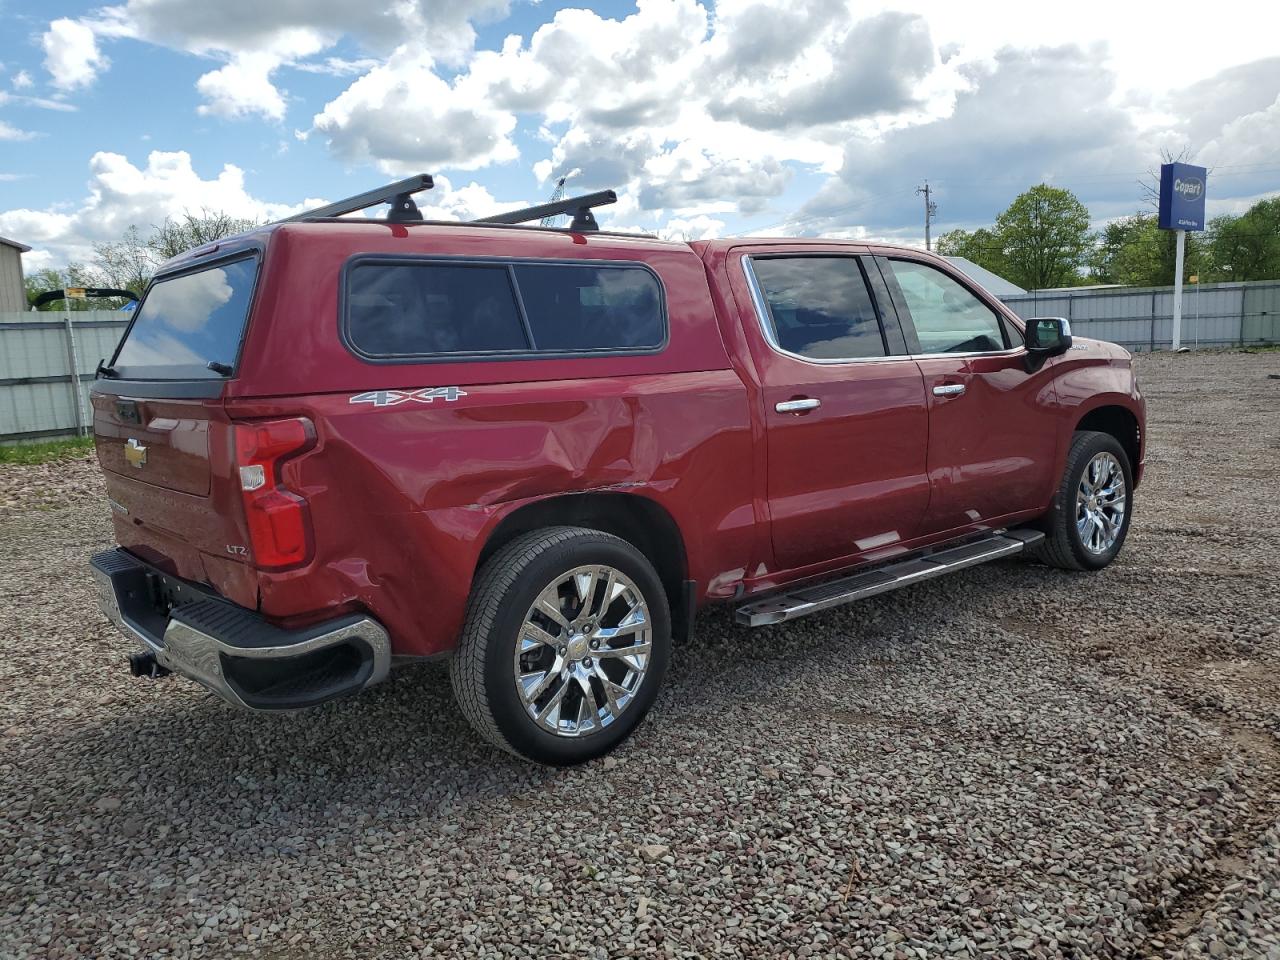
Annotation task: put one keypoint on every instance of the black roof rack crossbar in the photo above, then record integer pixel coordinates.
(398, 194)
(584, 220)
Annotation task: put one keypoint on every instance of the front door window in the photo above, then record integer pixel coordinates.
(947, 317)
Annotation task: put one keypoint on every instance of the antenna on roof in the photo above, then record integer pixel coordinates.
(398, 194)
(584, 220)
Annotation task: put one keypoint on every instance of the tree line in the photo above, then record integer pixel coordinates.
(130, 262)
(1043, 240)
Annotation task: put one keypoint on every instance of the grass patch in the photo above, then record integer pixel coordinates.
(46, 451)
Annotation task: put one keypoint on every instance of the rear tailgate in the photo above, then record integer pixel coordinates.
(168, 477)
(163, 443)
(163, 437)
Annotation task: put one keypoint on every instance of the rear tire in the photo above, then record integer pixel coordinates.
(547, 673)
(1087, 525)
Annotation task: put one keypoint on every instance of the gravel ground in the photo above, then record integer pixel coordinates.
(1014, 761)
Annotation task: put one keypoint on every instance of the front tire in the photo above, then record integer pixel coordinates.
(565, 644)
(1089, 521)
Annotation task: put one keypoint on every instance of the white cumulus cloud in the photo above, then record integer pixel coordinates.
(71, 54)
(122, 195)
(403, 117)
(241, 87)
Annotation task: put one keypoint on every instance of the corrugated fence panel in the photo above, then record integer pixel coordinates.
(1213, 315)
(1210, 315)
(1261, 310)
(33, 346)
(37, 408)
(1123, 318)
(32, 353)
(96, 343)
(36, 393)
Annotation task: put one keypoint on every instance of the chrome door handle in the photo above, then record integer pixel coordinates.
(797, 406)
(948, 390)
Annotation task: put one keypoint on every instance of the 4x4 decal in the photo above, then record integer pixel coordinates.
(390, 398)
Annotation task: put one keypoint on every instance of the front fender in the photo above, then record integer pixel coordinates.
(1090, 376)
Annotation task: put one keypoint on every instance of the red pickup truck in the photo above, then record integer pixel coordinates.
(333, 445)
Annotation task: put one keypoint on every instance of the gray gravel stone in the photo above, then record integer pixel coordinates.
(1014, 761)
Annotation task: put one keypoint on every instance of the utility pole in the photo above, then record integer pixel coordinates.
(930, 211)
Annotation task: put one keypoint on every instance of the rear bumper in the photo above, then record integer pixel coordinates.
(233, 651)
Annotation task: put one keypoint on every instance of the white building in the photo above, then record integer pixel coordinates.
(13, 290)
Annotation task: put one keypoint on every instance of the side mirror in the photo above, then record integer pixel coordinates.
(1046, 337)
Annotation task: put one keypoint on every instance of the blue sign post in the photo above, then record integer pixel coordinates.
(1182, 193)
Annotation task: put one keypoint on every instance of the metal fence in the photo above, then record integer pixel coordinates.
(38, 351)
(1141, 318)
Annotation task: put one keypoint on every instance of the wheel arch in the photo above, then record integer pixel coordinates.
(1120, 422)
(640, 520)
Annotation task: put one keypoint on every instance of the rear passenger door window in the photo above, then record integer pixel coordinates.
(948, 318)
(819, 308)
(435, 309)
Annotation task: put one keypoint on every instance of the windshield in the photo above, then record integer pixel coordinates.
(188, 323)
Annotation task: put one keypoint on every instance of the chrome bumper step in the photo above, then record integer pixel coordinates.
(802, 601)
(186, 629)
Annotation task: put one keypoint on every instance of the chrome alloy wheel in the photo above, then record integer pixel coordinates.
(1101, 501)
(583, 650)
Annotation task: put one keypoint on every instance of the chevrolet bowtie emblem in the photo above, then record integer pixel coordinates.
(135, 453)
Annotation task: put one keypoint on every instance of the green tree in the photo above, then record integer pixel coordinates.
(1246, 247)
(130, 262)
(1044, 238)
(126, 264)
(178, 236)
(1134, 251)
(982, 247)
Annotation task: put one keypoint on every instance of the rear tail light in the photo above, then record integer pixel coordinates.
(279, 527)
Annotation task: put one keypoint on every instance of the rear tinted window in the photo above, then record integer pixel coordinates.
(189, 321)
(395, 309)
(820, 307)
(574, 308)
(441, 309)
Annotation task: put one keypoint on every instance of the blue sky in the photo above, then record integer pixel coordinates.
(811, 116)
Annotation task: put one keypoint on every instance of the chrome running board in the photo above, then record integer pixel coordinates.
(800, 602)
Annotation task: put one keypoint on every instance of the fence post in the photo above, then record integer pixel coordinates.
(1244, 296)
(73, 363)
(1153, 322)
